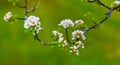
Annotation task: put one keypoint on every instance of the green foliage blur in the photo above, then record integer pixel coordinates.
(102, 46)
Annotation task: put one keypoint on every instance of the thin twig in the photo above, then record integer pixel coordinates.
(103, 5)
(91, 1)
(67, 36)
(38, 39)
(99, 3)
(26, 14)
(20, 6)
(26, 7)
(103, 20)
(21, 18)
(32, 10)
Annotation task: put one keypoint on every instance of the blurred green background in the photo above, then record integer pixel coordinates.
(102, 46)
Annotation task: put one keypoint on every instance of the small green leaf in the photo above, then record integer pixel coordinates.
(85, 26)
(32, 29)
(97, 2)
(33, 3)
(60, 28)
(15, 18)
(27, 31)
(54, 42)
(53, 46)
(38, 5)
(14, 1)
(11, 22)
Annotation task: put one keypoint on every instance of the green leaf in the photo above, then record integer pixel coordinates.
(38, 5)
(14, 1)
(32, 29)
(87, 14)
(27, 31)
(33, 3)
(85, 26)
(54, 42)
(97, 2)
(60, 28)
(15, 18)
(51, 35)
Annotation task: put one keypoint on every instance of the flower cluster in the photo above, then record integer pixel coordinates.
(32, 23)
(75, 47)
(66, 23)
(59, 38)
(77, 36)
(8, 16)
(117, 2)
(79, 22)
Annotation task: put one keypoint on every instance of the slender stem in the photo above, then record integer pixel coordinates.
(20, 6)
(26, 3)
(32, 10)
(92, 1)
(26, 7)
(67, 36)
(103, 20)
(26, 14)
(103, 5)
(38, 39)
(21, 18)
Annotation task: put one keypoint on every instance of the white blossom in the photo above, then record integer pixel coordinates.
(83, 46)
(117, 2)
(33, 22)
(77, 52)
(83, 37)
(78, 34)
(79, 22)
(66, 23)
(27, 24)
(56, 33)
(63, 43)
(8, 16)
(80, 44)
(74, 47)
(60, 39)
(74, 51)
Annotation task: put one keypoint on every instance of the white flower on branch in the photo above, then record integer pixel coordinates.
(8, 16)
(60, 39)
(56, 33)
(80, 44)
(33, 22)
(63, 44)
(117, 2)
(66, 23)
(78, 34)
(75, 49)
(79, 22)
